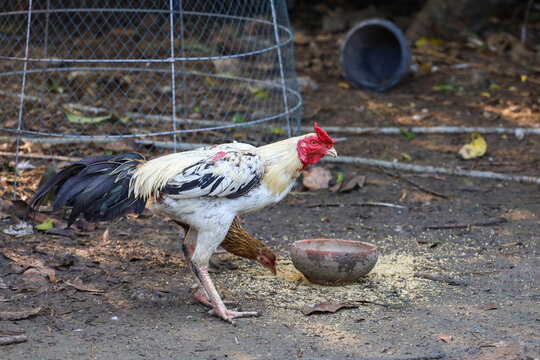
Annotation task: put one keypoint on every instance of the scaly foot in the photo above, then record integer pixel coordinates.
(201, 297)
(230, 315)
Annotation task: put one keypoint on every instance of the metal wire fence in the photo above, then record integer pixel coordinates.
(149, 75)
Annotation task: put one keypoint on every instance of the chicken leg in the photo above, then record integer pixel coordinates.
(219, 307)
(207, 293)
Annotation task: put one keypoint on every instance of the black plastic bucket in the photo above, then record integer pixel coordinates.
(375, 55)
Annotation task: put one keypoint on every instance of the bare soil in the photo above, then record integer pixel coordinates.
(127, 295)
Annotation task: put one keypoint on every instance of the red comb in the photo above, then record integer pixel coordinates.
(323, 135)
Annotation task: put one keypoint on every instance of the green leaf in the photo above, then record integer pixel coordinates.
(261, 94)
(408, 135)
(196, 109)
(46, 225)
(238, 118)
(277, 130)
(81, 119)
(406, 157)
(339, 177)
(198, 47)
(53, 87)
(495, 87)
(443, 86)
(424, 42)
(209, 81)
(125, 119)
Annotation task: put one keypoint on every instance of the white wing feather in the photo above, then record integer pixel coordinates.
(226, 170)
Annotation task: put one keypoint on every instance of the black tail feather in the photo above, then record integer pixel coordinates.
(97, 187)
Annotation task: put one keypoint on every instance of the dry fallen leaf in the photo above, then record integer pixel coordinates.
(476, 148)
(326, 307)
(316, 178)
(105, 240)
(357, 181)
(19, 208)
(77, 284)
(28, 262)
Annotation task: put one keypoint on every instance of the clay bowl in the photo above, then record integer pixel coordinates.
(333, 261)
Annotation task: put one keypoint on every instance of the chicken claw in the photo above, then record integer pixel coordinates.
(229, 315)
(219, 307)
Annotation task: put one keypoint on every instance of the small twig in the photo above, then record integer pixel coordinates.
(19, 315)
(13, 339)
(40, 156)
(463, 225)
(382, 204)
(431, 169)
(444, 279)
(399, 176)
(369, 302)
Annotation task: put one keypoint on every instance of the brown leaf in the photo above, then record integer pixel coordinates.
(77, 284)
(4, 204)
(84, 225)
(18, 315)
(326, 307)
(105, 240)
(444, 337)
(357, 181)
(300, 38)
(60, 232)
(336, 187)
(28, 262)
(316, 178)
(19, 209)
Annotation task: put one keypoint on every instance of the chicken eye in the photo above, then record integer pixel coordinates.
(313, 142)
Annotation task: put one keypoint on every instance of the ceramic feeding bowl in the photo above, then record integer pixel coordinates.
(333, 261)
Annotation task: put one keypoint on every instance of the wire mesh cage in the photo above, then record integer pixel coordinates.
(150, 76)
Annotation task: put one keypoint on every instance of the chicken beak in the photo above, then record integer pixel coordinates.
(331, 152)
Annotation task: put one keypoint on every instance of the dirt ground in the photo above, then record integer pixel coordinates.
(126, 295)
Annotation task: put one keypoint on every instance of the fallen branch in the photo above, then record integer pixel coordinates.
(431, 169)
(440, 278)
(382, 204)
(418, 186)
(425, 130)
(463, 225)
(19, 315)
(40, 156)
(13, 339)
